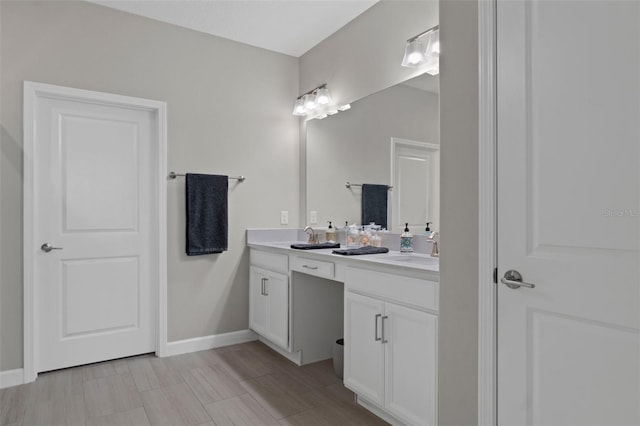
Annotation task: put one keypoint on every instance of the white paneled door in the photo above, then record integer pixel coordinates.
(94, 239)
(569, 212)
(415, 177)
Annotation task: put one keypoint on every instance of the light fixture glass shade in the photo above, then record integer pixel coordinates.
(433, 48)
(310, 102)
(414, 54)
(432, 66)
(323, 97)
(298, 108)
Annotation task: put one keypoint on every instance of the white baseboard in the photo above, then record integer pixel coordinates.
(15, 377)
(210, 342)
(10, 378)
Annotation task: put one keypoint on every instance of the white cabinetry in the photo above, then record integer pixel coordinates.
(364, 353)
(391, 343)
(269, 305)
(269, 297)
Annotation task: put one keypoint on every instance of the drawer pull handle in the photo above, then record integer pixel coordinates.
(263, 289)
(310, 267)
(384, 340)
(376, 338)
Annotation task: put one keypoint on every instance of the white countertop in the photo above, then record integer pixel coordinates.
(395, 259)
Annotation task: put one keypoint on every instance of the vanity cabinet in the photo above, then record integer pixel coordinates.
(269, 297)
(269, 305)
(391, 343)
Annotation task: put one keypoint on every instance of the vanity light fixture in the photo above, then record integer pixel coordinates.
(423, 50)
(317, 103)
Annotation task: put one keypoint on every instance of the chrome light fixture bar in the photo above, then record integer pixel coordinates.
(317, 103)
(423, 50)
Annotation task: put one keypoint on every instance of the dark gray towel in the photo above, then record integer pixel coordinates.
(362, 250)
(315, 246)
(207, 214)
(374, 204)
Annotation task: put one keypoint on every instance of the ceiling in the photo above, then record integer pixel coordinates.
(291, 27)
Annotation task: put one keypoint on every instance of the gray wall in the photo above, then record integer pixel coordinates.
(355, 146)
(364, 56)
(458, 322)
(211, 128)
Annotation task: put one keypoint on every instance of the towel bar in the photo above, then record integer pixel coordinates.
(349, 185)
(173, 175)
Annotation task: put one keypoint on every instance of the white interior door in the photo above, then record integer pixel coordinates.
(569, 212)
(415, 177)
(94, 195)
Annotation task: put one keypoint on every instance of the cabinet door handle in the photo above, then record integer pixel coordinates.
(263, 286)
(376, 338)
(266, 280)
(384, 340)
(310, 267)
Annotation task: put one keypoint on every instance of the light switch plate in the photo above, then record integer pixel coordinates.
(284, 217)
(313, 217)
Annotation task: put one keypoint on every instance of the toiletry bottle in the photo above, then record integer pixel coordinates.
(330, 235)
(353, 237)
(427, 230)
(406, 240)
(376, 239)
(365, 237)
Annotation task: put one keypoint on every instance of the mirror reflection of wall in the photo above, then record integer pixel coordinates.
(355, 146)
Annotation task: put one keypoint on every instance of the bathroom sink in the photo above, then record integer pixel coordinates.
(420, 260)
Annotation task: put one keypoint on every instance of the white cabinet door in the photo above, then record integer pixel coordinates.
(363, 355)
(258, 302)
(410, 338)
(276, 289)
(269, 305)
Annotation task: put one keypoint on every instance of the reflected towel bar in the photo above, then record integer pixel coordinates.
(349, 185)
(173, 175)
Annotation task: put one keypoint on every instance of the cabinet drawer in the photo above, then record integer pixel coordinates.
(271, 261)
(411, 291)
(319, 268)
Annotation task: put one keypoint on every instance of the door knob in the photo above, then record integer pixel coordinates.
(513, 280)
(46, 247)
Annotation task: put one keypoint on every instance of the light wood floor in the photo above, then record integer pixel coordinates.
(247, 384)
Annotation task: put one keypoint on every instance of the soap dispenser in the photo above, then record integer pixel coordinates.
(406, 240)
(331, 234)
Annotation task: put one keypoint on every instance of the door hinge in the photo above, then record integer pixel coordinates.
(495, 275)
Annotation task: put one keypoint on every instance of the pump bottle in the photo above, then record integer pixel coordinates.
(406, 240)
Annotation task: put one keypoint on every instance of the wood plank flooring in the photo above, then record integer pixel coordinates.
(246, 384)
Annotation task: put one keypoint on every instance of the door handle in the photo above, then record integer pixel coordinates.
(376, 338)
(384, 340)
(513, 280)
(264, 286)
(46, 247)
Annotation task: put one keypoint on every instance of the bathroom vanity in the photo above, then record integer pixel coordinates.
(384, 305)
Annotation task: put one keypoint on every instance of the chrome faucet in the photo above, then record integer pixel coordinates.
(434, 237)
(313, 238)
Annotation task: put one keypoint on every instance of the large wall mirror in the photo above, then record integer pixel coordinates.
(391, 137)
